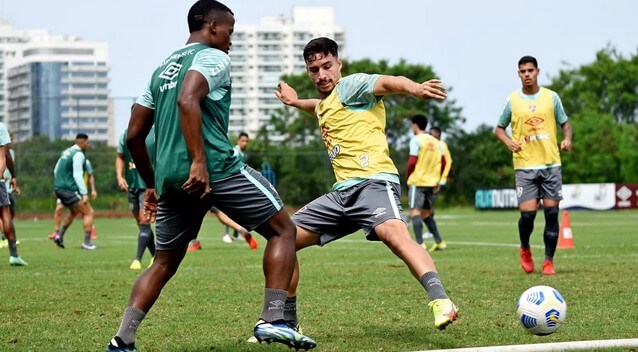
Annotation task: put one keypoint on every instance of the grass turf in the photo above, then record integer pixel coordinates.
(353, 296)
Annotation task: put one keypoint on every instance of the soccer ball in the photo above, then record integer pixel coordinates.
(541, 310)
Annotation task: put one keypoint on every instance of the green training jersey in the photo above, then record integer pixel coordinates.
(69, 171)
(172, 159)
(133, 178)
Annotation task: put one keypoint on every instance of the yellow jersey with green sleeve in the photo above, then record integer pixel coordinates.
(427, 171)
(352, 122)
(533, 119)
(171, 154)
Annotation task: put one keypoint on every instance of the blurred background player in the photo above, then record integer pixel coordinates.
(128, 180)
(533, 113)
(6, 178)
(6, 162)
(446, 166)
(196, 245)
(239, 152)
(70, 188)
(89, 181)
(424, 177)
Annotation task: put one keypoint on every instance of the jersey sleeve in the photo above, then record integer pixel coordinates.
(357, 90)
(506, 114)
(414, 146)
(146, 99)
(4, 135)
(120, 143)
(88, 168)
(559, 111)
(78, 172)
(448, 163)
(214, 65)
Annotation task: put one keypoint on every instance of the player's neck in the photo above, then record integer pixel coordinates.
(531, 90)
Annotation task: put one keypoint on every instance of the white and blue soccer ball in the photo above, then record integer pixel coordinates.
(541, 310)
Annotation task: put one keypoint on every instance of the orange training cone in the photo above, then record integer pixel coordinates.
(565, 236)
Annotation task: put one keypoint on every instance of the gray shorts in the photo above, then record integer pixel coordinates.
(136, 199)
(69, 199)
(340, 213)
(5, 201)
(245, 197)
(539, 184)
(421, 198)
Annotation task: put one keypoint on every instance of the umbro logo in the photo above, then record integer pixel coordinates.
(171, 71)
(378, 212)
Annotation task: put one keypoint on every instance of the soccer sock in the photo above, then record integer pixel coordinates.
(151, 242)
(3, 237)
(274, 302)
(417, 225)
(142, 240)
(62, 231)
(87, 237)
(431, 224)
(550, 236)
(226, 229)
(130, 322)
(525, 227)
(13, 248)
(290, 310)
(432, 283)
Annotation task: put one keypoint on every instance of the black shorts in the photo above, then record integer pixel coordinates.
(69, 199)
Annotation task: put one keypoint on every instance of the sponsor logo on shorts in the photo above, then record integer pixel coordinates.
(302, 209)
(519, 191)
(378, 212)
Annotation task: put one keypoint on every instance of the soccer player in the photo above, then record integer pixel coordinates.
(435, 131)
(188, 101)
(196, 245)
(351, 117)
(533, 113)
(6, 162)
(424, 179)
(70, 189)
(238, 151)
(128, 180)
(6, 179)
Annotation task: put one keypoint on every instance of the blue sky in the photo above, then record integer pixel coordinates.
(472, 45)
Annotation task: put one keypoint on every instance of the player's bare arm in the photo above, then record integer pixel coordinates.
(194, 90)
(432, 89)
(511, 145)
(288, 96)
(119, 172)
(566, 143)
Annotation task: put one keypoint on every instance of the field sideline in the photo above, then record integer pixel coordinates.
(354, 295)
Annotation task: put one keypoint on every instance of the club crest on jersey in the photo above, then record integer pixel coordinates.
(532, 108)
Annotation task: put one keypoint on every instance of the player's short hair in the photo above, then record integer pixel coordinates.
(528, 59)
(243, 134)
(320, 45)
(421, 121)
(436, 128)
(81, 136)
(204, 11)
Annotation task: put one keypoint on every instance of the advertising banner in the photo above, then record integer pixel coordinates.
(627, 196)
(593, 196)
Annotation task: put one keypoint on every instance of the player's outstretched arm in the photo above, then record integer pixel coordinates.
(432, 89)
(502, 136)
(288, 96)
(566, 144)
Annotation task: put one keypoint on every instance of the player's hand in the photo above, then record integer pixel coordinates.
(432, 89)
(150, 206)
(14, 185)
(198, 182)
(514, 147)
(85, 198)
(94, 194)
(437, 188)
(122, 184)
(566, 144)
(286, 94)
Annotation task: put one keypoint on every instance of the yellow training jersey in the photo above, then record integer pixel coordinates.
(533, 119)
(352, 122)
(429, 151)
(448, 162)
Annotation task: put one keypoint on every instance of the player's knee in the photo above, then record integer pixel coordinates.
(527, 218)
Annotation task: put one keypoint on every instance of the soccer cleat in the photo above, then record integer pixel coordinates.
(283, 333)
(17, 261)
(548, 268)
(4, 243)
(194, 246)
(52, 236)
(227, 239)
(117, 345)
(136, 265)
(445, 312)
(527, 263)
(89, 246)
(438, 246)
(58, 241)
(291, 324)
(425, 246)
(93, 233)
(151, 263)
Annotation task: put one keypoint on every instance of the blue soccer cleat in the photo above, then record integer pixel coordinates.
(283, 333)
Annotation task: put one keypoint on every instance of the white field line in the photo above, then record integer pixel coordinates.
(554, 346)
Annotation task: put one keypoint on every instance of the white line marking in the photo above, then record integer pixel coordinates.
(554, 346)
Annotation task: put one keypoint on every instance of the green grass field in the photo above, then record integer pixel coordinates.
(354, 295)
